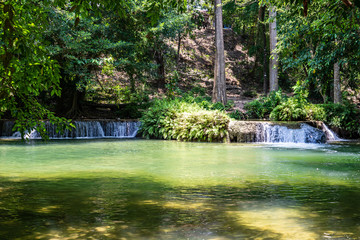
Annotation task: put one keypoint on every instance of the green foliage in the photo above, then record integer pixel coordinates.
(261, 108)
(250, 93)
(130, 111)
(181, 120)
(83, 49)
(290, 110)
(198, 91)
(172, 89)
(125, 95)
(309, 46)
(316, 112)
(26, 70)
(238, 115)
(135, 103)
(206, 103)
(344, 116)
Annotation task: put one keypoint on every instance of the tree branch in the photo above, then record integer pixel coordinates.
(348, 3)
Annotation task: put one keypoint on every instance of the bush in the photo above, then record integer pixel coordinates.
(291, 110)
(130, 111)
(315, 112)
(261, 108)
(250, 93)
(238, 115)
(344, 116)
(206, 103)
(278, 107)
(181, 120)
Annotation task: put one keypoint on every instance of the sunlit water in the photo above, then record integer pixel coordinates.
(137, 189)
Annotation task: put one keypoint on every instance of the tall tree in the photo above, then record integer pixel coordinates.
(26, 70)
(219, 90)
(262, 33)
(273, 66)
(337, 85)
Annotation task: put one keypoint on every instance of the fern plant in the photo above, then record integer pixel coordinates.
(180, 120)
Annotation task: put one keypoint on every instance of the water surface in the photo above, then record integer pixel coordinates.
(138, 189)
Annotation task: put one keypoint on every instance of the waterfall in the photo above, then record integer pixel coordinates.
(271, 133)
(330, 135)
(83, 129)
(275, 132)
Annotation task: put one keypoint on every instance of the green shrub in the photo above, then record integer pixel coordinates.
(250, 93)
(291, 110)
(238, 115)
(315, 112)
(345, 116)
(278, 107)
(135, 104)
(255, 109)
(229, 105)
(206, 103)
(217, 106)
(261, 108)
(131, 110)
(198, 90)
(202, 125)
(181, 120)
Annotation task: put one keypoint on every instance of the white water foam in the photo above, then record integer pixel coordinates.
(83, 130)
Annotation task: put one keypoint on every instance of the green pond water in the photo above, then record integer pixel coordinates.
(144, 189)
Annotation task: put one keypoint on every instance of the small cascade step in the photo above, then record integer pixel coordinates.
(83, 129)
(270, 132)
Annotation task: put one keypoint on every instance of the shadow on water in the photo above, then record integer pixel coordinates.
(142, 208)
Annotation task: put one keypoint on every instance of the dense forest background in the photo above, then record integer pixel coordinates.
(283, 60)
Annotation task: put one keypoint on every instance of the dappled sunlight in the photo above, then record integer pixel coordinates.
(113, 231)
(48, 209)
(187, 206)
(279, 223)
(179, 205)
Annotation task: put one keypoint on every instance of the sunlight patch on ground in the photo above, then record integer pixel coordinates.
(180, 205)
(187, 206)
(71, 233)
(275, 222)
(48, 209)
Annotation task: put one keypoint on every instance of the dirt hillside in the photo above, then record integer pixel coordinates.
(197, 64)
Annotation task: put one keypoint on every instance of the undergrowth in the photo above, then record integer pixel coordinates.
(279, 107)
(185, 119)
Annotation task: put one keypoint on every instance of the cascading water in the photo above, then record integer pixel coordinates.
(239, 131)
(281, 134)
(83, 129)
(271, 132)
(330, 135)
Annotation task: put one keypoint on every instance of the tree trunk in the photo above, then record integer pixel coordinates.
(262, 29)
(219, 90)
(273, 66)
(337, 86)
(159, 58)
(75, 110)
(305, 5)
(178, 51)
(132, 83)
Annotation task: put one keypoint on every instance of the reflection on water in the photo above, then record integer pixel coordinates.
(170, 190)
